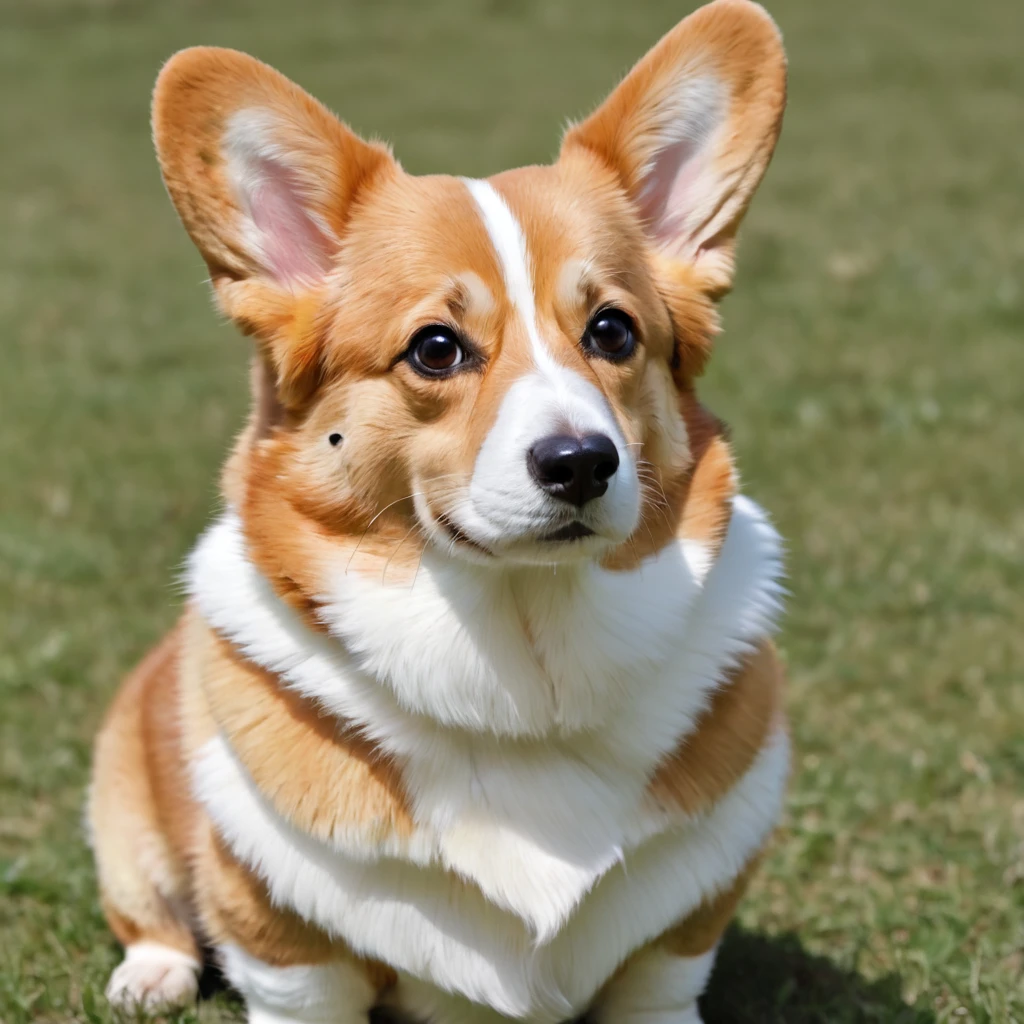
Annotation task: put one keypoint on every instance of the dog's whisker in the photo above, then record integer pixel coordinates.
(362, 536)
(419, 562)
(405, 537)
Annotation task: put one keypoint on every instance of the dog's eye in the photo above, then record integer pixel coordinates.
(436, 351)
(610, 334)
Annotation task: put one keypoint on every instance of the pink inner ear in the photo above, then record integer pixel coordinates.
(294, 246)
(667, 200)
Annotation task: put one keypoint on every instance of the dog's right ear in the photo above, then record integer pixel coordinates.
(263, 178)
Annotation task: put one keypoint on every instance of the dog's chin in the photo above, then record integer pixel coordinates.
(544, 551)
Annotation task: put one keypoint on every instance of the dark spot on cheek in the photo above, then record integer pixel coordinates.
(335, 439)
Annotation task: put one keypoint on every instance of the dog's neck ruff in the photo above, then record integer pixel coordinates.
(526, 709)
(527, 652)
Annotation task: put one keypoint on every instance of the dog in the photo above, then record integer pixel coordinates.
(473, 710)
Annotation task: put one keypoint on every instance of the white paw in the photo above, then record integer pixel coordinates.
(151, 976)
(688, 1015)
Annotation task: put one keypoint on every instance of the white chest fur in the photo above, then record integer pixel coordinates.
(528, 711)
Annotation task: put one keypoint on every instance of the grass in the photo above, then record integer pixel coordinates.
(872, 369)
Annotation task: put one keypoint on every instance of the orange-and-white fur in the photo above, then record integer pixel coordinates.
(472, 710)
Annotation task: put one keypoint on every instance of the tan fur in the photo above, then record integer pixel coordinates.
(164, 874)
(321, 776)
(745, 711)
(375, 234)
(694, 504)
(140, 817)
(704, 927)
(237, 909)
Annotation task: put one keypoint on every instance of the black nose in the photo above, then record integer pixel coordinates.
(574, 469)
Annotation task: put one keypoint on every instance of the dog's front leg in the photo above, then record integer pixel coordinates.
(655, 987)
(336, 992)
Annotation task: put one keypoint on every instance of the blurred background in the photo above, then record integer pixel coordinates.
(872, 369)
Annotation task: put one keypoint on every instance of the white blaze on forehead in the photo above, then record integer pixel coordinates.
(504, 500)
(509, 243)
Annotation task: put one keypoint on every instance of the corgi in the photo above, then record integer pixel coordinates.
(473, 711)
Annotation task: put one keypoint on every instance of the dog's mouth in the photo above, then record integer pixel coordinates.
(457, 534)
(570, 532)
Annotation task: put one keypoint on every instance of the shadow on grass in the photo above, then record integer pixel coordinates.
(773, 980)
(757, 980)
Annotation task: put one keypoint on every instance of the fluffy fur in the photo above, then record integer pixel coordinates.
(407, 746)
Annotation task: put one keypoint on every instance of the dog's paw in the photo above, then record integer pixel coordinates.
(153, 976)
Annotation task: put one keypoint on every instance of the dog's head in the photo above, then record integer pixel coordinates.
(502, 368)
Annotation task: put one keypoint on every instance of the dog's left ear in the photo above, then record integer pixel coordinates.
(691, 129)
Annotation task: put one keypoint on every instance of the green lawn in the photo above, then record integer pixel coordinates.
(872, 368)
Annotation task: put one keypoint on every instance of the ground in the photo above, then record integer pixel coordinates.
(872, 369)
